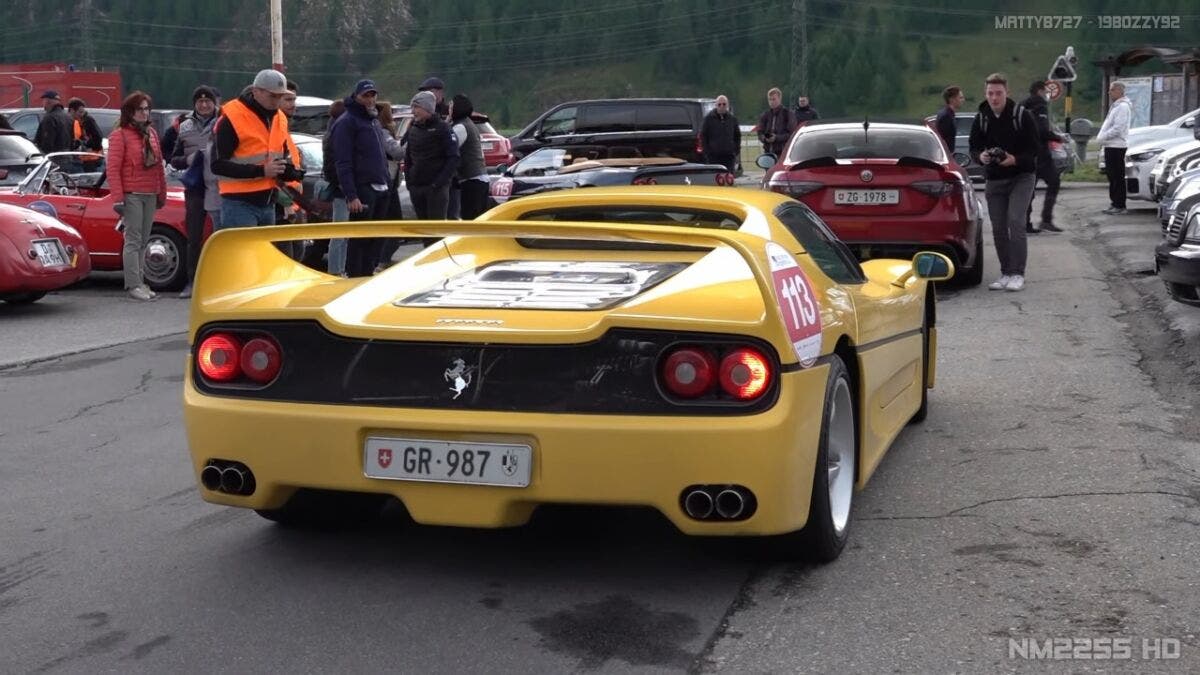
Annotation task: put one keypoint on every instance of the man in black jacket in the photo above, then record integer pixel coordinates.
(1036, 105)
(720, 138)
(54, 131)
(1004, 140)
(430, 159)
(947, 128)
(775, 125)
(803, 112)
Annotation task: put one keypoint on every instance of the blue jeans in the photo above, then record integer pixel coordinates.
(238, 213)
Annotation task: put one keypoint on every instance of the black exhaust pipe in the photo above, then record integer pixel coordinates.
(233, 480)
(210, 477)
(698, 504)
(730, 504)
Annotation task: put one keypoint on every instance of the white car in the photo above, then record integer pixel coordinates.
(1140, 161)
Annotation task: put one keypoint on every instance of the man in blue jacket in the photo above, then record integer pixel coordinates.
(361, 164)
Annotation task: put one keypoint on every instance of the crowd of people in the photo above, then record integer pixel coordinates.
(240, 167)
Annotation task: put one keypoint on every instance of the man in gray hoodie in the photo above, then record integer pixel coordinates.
(192, 150)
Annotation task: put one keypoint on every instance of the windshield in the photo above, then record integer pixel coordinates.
(17, 148)
(311, 156)
(543, 162)
(854, 143)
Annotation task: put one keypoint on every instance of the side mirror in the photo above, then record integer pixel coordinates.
(539, 135)
(963, 159)
(502, 169)
(932, 266)
(765, 161)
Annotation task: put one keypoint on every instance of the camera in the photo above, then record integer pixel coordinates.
(996, 155)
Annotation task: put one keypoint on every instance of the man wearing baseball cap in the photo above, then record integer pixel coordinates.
(251, 140)
(54, 132)
(362, 172)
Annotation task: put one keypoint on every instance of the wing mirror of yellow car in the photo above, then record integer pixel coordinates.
(927, 265)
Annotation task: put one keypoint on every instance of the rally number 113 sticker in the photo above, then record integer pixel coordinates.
(797, 304)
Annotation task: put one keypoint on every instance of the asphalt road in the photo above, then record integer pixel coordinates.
(1052, 493)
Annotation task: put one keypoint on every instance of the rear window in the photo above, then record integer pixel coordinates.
(854, 143)
(663, 117)
(605, 119)
(17, 148)
(644, 215)
(106, 120)
(962, 125)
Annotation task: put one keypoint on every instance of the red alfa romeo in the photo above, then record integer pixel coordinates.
(887, 190)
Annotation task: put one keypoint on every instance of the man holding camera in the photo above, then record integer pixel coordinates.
(1004, 138)
(775, 125)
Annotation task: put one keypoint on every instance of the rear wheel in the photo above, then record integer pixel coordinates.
(973, 275)
(825, 534)
(164, 259)
(323, 510)
(923, 411)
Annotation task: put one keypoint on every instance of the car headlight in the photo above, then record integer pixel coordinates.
(1145, 156)
(1193, 228)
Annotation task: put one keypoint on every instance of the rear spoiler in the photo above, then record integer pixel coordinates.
(813, 162)
(245, 262)
(918, 162)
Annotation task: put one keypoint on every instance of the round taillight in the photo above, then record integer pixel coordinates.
(218, 357)
(745, 374)
(730, 179)
(261, 360)
(689, 372)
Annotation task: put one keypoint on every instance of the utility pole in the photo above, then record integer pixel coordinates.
(799, 79)
(277, 35)
(87, 46)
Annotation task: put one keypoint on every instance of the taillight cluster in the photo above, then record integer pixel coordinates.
(644, 180)
(238, 358)
(740, 373)
(795, 188)
(938, 188)
(725, 178)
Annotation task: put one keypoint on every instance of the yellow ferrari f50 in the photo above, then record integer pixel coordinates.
(713, 353)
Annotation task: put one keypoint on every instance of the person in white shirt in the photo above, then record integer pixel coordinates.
(1113, 137)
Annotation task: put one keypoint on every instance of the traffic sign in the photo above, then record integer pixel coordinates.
(1054, 89)
(1062, 71)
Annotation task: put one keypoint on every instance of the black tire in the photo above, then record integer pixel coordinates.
(169, 273)
(323, 510)
(973, 276)
(820, 541)
(923, 411)
(24, 298)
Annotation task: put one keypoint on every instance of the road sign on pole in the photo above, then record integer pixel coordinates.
(1062, 71)
(1054, 89)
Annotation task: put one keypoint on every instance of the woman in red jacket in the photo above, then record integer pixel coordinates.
(138, 180)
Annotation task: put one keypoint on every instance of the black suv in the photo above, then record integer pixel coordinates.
(646, 127)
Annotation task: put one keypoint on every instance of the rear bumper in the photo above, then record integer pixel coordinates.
(1179, 268)
(904, 238)
(577, 459)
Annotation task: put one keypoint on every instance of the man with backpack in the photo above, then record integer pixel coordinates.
(1046, 171)
(1004, 140)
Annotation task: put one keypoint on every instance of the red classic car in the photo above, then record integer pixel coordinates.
(38, 253)
(887, 190)
(75, 185)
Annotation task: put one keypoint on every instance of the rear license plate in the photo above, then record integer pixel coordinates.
(425, 460)
(50, 252)
(486, 146)
(866, 197)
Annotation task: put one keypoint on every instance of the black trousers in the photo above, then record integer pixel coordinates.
(726, 160)
(363, 253)
(1048, 173)
(429, 202)
(472, 197)
(194, 216)
(1114, 167)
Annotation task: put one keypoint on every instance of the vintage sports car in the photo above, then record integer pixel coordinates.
(38, 254)
(885, 189)
(713, 353)
(561, 168)
(75, 184)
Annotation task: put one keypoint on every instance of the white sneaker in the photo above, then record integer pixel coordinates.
(1015, 283)
(1000, 284)
(140, 293)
